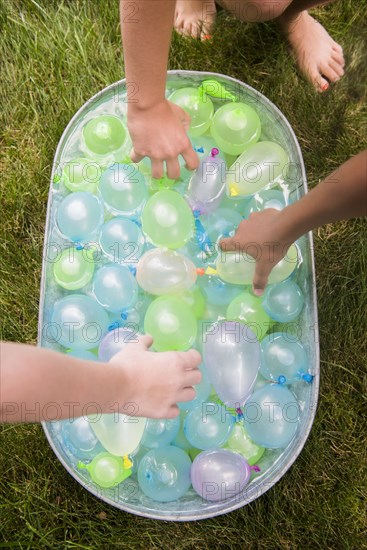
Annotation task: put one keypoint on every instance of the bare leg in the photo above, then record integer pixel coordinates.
(195, 18)
(319, 58)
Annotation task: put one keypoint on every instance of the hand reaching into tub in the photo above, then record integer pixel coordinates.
(341, 195)
(40, 384)
(157, 126)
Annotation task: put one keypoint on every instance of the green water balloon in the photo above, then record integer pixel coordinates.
(81, 174)
(238, 268)
(195, 299)
(199, 107)
(104, 134)
(235, 127)
(167, 219)
(107, 470)
(262, 164)
(247, 308)
(240, 442)
(171, 323)
(73, 269)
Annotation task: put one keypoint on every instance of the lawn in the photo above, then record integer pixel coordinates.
(55, 55)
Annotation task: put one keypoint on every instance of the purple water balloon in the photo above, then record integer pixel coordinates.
(232, 359)
(115, 341)
(219, 474)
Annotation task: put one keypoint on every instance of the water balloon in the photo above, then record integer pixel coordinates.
(231, 354)
(77, 321)
(272, 416)
(73, 269)
(123, 188)
(104, 134)
(164, 473)
(235, 127)
(122, 240)
(199, 107)
(115, 288)
(165, 272)
(261, 164)
(208, 425)
(79, 215)
(171, 323)
(167, 219)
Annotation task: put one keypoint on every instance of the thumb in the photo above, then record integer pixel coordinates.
(228, 244)
(260, 279)
(144, 342)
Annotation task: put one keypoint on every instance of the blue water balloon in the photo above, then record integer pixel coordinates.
(284, 301)
(271, 416)
(79, 216)
(271, 198)
(123, 188)
(208, 426)
(164, 473)
(216, 291)
(202, 389)
(79, 438)
(122, 240)
(115, 288)
(77, 321)
(283, 358)
(222, 223)
(160, 432)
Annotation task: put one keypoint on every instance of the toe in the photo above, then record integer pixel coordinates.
(337, 48)
(338, 58)
(336, 67)
(329, 73)
(319, 82)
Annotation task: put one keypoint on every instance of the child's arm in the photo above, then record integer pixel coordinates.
(157, 126)
(39, 384)
(342, 195)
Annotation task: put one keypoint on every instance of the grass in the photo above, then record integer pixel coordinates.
(55, 55)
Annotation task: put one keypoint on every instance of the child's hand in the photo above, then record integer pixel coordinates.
(262, 237)
(156, 382)
(159, 132)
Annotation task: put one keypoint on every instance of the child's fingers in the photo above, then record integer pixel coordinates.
(157, 168)
(187, 394)
(173, 168)
(135, 157)
(228, 244)
(260, 278)
(190, 157)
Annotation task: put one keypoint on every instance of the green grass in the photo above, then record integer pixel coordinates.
(55, 55)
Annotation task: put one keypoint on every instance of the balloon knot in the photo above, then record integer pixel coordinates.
(281, 379)
(132, 269)
(199, 149)
(255, 468)
(307, 377)
(197, 212)
(127, 462)
(214, 152)
(78, 246)
(239, 413)
(113, 326)
(200, 271)
(124, 315)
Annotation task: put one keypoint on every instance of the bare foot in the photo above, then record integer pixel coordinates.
(318, 56)
(195, 18)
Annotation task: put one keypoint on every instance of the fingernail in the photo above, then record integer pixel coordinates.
(206, 37)
(325, 86)
(258, 292)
